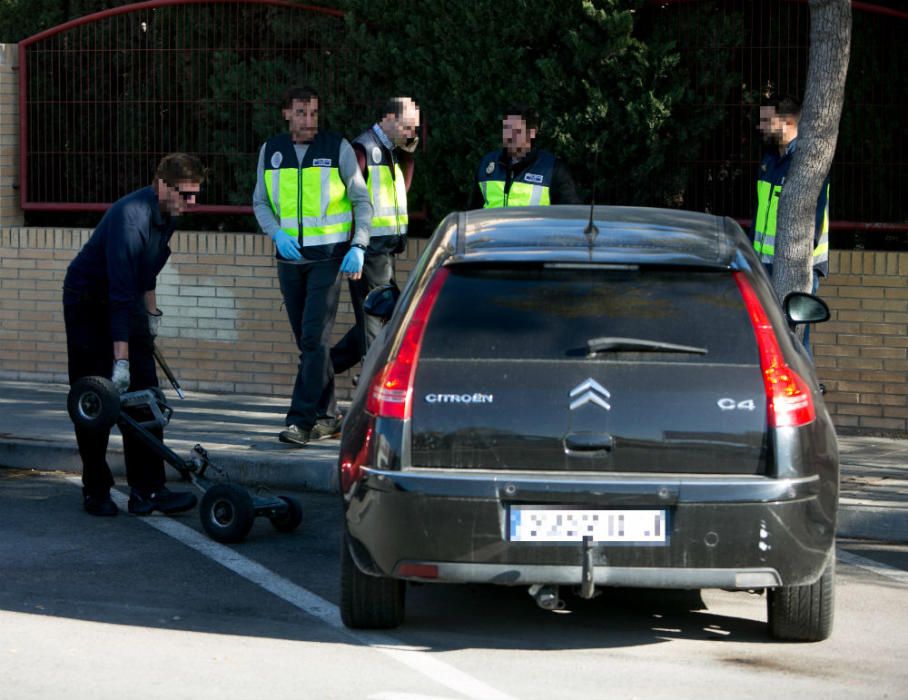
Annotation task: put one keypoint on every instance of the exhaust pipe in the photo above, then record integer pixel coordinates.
(546, 596)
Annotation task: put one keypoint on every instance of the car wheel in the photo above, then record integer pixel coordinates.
(368, 602)
(227, 513)
(803, 613)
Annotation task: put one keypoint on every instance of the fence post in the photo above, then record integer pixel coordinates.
(10, 211)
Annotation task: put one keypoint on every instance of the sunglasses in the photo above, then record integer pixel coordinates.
(186, 195)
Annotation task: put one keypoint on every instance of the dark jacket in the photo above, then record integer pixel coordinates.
(122, 259)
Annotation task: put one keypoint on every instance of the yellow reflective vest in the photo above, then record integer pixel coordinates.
(388, 192)
(531, 187)
(309, 198)
(773, 172)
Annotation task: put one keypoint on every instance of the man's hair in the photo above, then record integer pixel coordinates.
(303, 93)
(785, 106)
(175, 167)
(394, 106)
(524, 112)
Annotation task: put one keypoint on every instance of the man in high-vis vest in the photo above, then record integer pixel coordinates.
(308, 195)
(384, 153)
(518, 175)
(779, 127)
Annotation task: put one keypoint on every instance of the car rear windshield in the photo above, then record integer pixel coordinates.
(674, 314)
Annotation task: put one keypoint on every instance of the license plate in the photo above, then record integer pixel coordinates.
(535, 524)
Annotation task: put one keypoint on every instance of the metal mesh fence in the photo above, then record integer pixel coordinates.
(767, 52)
(104, 97)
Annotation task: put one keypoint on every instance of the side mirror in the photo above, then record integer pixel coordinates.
(801, 307)
(380, 302)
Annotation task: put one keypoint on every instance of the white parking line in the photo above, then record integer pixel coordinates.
(316, 606)
(876, 567)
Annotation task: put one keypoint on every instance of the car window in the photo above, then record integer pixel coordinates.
(552, 313)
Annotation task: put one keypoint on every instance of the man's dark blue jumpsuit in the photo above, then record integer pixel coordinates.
(103, 302)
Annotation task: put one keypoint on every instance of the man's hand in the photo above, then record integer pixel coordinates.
(410, 145)
(154, 322)
(287, 245)
(352, 265)
(120, 375)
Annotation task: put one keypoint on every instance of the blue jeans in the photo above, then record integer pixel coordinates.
(311, 292)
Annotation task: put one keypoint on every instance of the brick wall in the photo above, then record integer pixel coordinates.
(862, 353)
(224, 329)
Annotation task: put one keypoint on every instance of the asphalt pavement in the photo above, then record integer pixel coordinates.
(240, 433)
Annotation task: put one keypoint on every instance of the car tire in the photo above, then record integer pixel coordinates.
(803, 613)
(369, 602)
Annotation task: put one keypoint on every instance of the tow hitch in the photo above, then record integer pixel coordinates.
(587, 583)
(546, 594)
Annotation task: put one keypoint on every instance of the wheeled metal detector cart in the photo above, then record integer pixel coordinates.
(227, 511)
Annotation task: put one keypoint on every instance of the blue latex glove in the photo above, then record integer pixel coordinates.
(353, 262)
(287, 245)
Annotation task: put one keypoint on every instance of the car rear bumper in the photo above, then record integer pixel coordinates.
(724, 532)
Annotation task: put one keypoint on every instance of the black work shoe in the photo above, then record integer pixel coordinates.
(325, 428)
(294, 435)
(163, 499)
(99, 504)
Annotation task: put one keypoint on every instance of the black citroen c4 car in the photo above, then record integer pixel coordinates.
(568, 398)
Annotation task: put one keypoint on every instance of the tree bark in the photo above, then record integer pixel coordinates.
(818, 131)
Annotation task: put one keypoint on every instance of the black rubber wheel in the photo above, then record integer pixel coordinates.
(93, 403)
(369, 602)
(227, 513)
(291, 519)
(803, 613)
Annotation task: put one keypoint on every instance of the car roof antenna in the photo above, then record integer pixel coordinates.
(591, 230)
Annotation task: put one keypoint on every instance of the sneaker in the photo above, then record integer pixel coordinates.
(294, 435)
(325, 428)
(163, 499)
(99, 504)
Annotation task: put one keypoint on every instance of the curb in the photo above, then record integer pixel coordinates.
(872, 523)
(310, 469)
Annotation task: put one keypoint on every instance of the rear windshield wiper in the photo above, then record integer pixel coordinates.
(612, 344)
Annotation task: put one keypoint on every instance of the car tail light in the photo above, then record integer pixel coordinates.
(351, 469)
(391, 393)
(788, 396)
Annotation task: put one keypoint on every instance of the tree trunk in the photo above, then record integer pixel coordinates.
(818, 131)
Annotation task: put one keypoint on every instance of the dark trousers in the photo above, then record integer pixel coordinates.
(378, 269)
(89, 351)
(311, 292)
